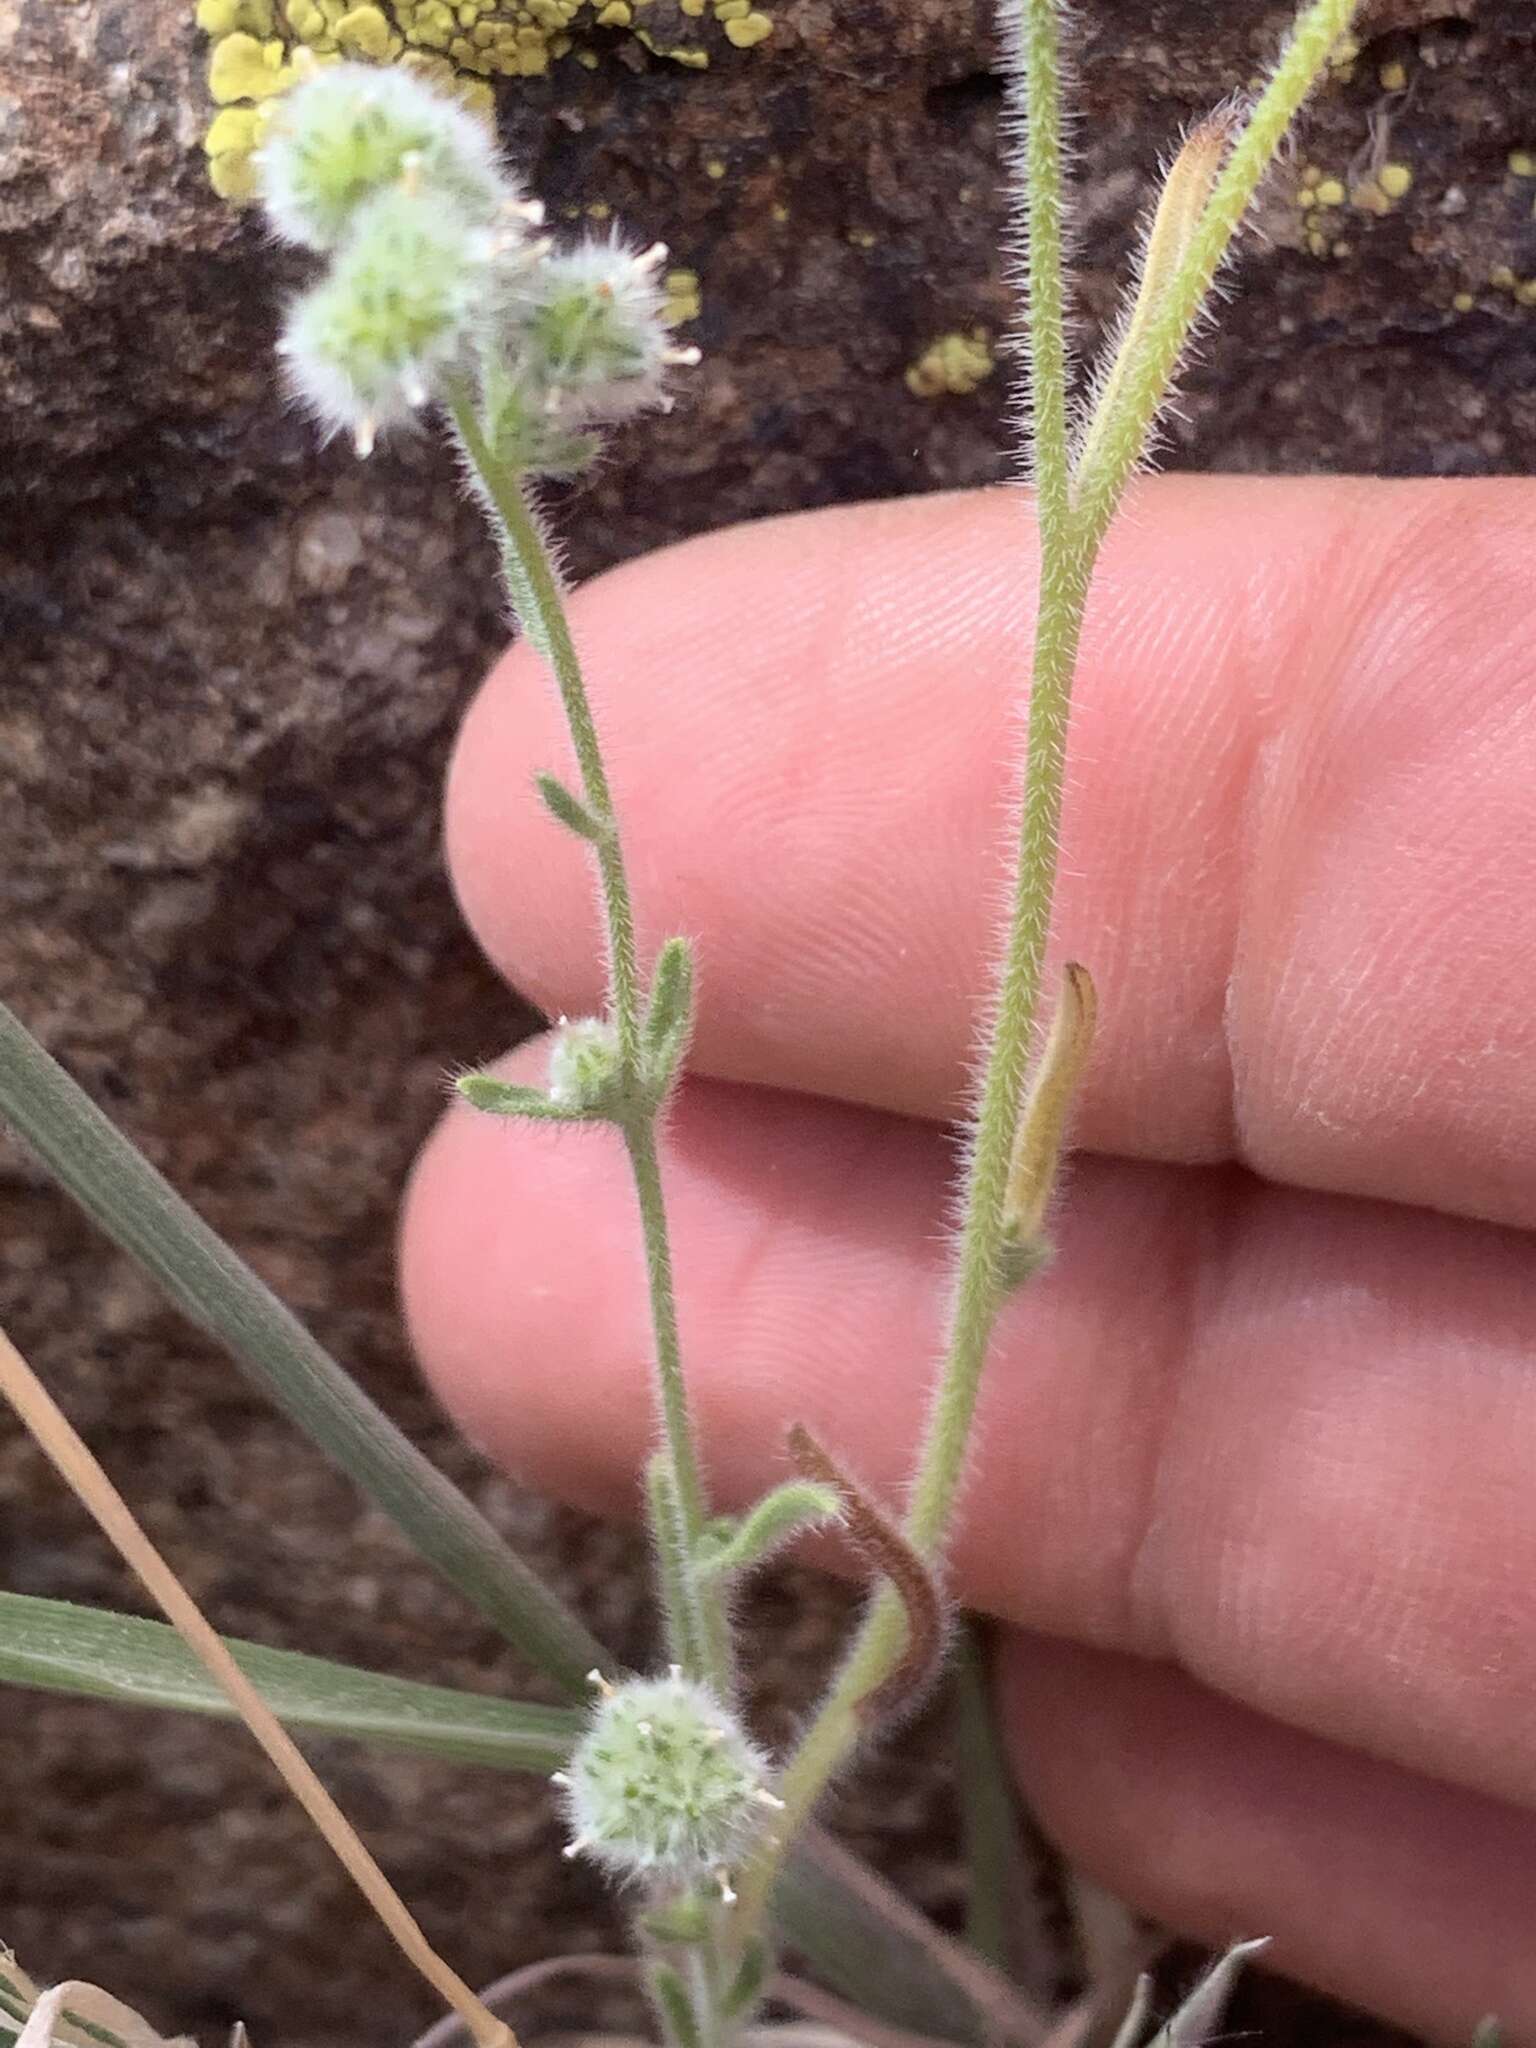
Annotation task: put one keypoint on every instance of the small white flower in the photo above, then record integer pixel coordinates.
(370, 344)
(588, 328)
(350, 131)
(584, 1066)
(665, 1783)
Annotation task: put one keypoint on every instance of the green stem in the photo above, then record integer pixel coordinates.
(535, 590)
(1037, 85)
(640, 1142)
(978, 1291)
(536, 596)
(1073, 517)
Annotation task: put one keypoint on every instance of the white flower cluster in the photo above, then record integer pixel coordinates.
(441, 287)
(665, 1784)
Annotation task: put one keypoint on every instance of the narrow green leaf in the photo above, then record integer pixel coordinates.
(54, 1646)
(779, 1516)
(998, 1889)
(856, 1932)
(862, 1939)
(506, 1098)
(139, 1209)
(748, 1984)
(669, 1013)
(570, 811)
(672, 2002)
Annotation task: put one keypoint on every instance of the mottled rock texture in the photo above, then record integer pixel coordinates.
(232, 667)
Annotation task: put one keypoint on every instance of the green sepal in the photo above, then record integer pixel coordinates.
(779, 1517)
(670, 1996)
(747, 1986)
(506, 1098)
(568, 809)
(1018, 1262)
(686, 1918)
(669, 1015)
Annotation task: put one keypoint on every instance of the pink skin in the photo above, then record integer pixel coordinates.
(1257, 1471)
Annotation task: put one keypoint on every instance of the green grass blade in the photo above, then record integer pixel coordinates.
(854, 1932)
(999, 1890)
(864, 1940)
(54, 1646)
(140, 1210)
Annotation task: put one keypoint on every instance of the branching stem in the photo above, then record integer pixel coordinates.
(534, 586)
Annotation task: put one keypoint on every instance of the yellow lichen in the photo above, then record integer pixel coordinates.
(462, 45)
(364, 32)
(1368, 197)
(1463, 302)
(682, 294)
(954, 364)
(1394, 180)
(1329, 192)
(229, 145)
(680, 53)
(241, 68)
(1393, 77)
(1525, 292)
(1522, 162)
(749, 30)
(1502, 278)
(715, 168)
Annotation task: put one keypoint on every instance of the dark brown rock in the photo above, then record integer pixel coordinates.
(233, 665)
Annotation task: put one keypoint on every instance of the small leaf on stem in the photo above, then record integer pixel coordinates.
(1187, 186)
(671, 1999)
(570, 811)
(506, 1098)
(747, 1985)
(779, 1517)
(882, 1546)
(1040, 1136)
(669, 1014)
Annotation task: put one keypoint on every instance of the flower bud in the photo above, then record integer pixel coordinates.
(350, 131)
(588, 328)
(369, 344)
(664, 1783)
(584, 1067)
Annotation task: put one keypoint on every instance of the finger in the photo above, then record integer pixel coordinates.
(1285, 1441)
(1404, 1895)
(1300, 851)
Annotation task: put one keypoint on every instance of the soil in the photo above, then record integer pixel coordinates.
(233, 668)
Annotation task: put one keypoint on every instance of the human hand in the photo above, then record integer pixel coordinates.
(1256, 1484)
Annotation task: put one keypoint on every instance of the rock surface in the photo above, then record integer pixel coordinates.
(233, 665)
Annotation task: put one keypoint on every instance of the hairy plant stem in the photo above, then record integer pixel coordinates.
(1119, 438)
(1073, 515)
(535, 589)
